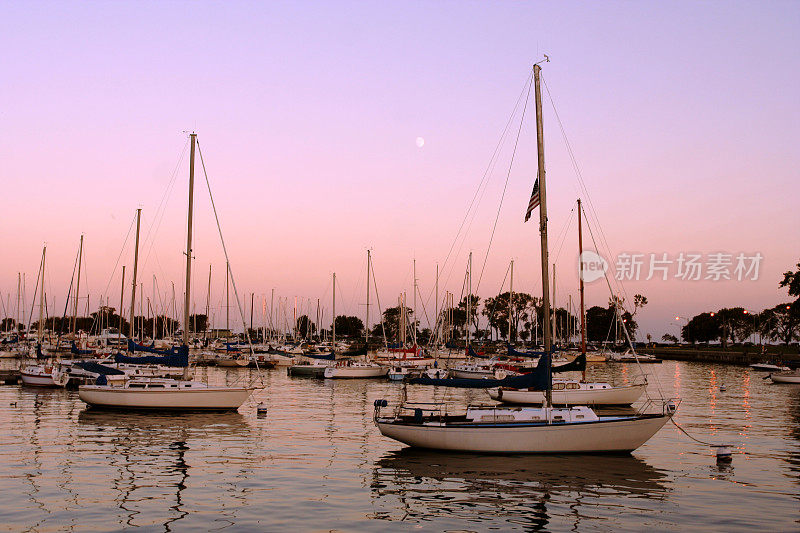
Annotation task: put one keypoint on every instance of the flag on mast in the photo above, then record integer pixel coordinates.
(534, 202)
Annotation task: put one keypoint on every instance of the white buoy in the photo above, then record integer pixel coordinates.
(261, 409)
(723, 452)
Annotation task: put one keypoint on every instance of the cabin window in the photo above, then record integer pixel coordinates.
(572, 385)
(579, 416)
(558, 386)
(136, 386)
(156, 386)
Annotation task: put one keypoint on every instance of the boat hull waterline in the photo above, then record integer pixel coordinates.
(201, 399)
(604, 436)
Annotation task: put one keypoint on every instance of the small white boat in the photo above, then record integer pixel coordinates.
(354, 370)
(768, 367)
(573, 392)
(164, 395)
(793, 376)
(398, 373)
(518, 429)
(43, 376)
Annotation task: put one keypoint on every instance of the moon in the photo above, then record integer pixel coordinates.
(420, 142)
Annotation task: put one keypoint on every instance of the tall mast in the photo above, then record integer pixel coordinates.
(436, 303)
(188, 295)
(543, 225)
(414, 311)
(366, 324)
(77, 288)
(252, 295)
(555, 314)
(227, 300)
(121, 303)
(208, 302)
(334, 314)
(510, 301)
(580, 277)
(469, 298)
(41, 300)
(135, 268)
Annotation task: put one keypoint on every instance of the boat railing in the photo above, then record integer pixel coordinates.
(667, 406)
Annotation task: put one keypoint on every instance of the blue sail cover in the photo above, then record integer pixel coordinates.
(133, 347)
(74, 349)
(328, 357)
(538, 379)
(576, 365)
(176, 357)
(476, 355)
(97, 368)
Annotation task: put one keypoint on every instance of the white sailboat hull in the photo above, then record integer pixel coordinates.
(785, 377)
(611, 396)
(604, 436)
(471, 374)
(355, 372)
(201, 399)
(37, 380)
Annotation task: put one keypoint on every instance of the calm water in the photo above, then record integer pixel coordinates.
(316, 462)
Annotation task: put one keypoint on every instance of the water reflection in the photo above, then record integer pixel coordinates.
(527, 491)
(150, 453)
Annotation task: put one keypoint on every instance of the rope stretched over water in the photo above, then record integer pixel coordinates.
(672, 419)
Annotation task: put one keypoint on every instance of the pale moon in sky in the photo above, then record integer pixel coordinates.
(420, 142)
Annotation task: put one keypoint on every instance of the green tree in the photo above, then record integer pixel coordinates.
(305, 327)
(792, 281)
(669, 338)
(349, 326)
(781, 322)
(705, 327)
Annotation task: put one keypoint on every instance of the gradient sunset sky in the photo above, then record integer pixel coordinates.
(683, 117)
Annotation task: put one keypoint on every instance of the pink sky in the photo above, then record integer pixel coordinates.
(683, 117)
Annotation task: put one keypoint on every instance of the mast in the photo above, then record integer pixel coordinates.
(510, 301)
(469, 298)
(40, 333)
(555, 309)
(543, 226)
(252, 295)
(334, 315)
(227, 297)
(436, 303)
(580, 277)
(366, 324)
(187, 299)
(77, 288)
(208, 302)
(135, 268)
(121, 302)
(414, 311)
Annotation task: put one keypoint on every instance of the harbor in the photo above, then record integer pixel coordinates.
(395, 267)
(315, 461)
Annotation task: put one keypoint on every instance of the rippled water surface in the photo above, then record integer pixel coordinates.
(316, 462)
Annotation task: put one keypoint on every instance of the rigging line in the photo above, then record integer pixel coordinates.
(562, 235)
(66, 302)
(494, 300)
(505, 186)
(378, 298)
(228, 262)
(581, 181)
(624, 328)
(486, 172)
(122, 250)
(161, 209)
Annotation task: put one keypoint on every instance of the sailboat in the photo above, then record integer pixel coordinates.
(346, 368)
(511, 429)
(50, 373)
(574, 391)
(165, 394)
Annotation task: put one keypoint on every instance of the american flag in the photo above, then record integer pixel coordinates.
(534, 203)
